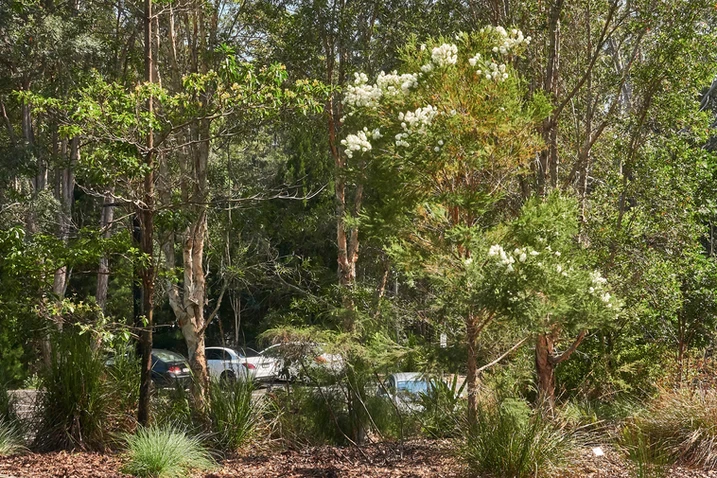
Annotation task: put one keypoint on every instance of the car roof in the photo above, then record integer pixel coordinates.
(407, 376)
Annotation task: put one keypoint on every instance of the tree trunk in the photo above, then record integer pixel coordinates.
(103, 273)
(472, 365)
(545, 370)
(146, 215)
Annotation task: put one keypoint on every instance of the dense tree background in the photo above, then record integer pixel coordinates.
(262, 222)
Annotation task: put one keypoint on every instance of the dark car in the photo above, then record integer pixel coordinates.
(169, 369)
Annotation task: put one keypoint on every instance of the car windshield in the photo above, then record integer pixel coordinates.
(167, 356)
(413, 386)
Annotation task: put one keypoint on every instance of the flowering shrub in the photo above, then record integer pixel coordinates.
(443, 94)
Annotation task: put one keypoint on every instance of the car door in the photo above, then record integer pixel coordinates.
(215, 362)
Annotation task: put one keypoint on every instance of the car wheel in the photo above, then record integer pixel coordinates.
(228, 378)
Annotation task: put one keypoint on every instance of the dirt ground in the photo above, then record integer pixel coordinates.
(420, 459)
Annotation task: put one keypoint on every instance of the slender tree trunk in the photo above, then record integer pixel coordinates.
(103, 273)
(472, 366)
(146, 215)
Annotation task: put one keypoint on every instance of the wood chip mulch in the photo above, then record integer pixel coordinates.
(420, 459)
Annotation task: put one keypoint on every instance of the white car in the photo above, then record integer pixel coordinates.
(291, 360)
(264, 365)
(227, 365)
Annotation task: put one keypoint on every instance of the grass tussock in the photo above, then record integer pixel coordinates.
(75, 406)
(233, 413)
(10, 439)
(165, 452)
(511, 439)
(683, 425)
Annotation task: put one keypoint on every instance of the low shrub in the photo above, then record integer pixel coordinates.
(74, 406)
(10, 439)
(303, 416)
(232, 412)
(649, 459)
(511, 439)
(7, 406)
(173, 406)
(683, 425)
(165, 452)
(442, 408)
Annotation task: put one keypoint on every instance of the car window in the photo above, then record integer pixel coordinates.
(213, 354)
(226, 355)
(247, 352)
(413, 386)
(167, 356)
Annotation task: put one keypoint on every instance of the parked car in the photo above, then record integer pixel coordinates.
(404, 390)
(228, 365)
(292, 360)
(264, 364)
(169, 369)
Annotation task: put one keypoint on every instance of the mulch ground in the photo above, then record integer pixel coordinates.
(420, 459)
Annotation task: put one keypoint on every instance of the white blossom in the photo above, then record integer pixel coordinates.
(356, 142)
(419, 119)
(444, 55)
(523, 256)
(427, 68)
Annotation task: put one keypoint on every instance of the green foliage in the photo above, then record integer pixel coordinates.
(165, 452)
(173, 406)
(302, 416)
(233, 413)
(10, 439)
(442, 408)
(7, 405)
(511, 439)
(649, 459)
(75, 407)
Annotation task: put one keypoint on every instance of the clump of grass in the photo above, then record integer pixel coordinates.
(232, 413)
(10, 439)
(648, 458)
(683, 425)
(165, 452)
(74, 404)
(511, 439)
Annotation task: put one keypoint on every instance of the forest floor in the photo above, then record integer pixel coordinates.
(421, 459)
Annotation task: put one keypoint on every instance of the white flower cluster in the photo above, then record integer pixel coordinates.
(393, 84)
(598, 283)
(495, 72)
(360, 141)
(508, 40)
(418, 120)
(496, 250)
(414, 122)
(473, 61)
(444, 55)
(362, 95)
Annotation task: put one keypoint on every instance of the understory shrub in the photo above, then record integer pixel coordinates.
(232, 412)
(511, 439)
(123, 387)
(165, 451)
(7, 405)
(10, 438)
(649, 459)
(442, 408)
(302, 416)
(74, 405)
(683, 425)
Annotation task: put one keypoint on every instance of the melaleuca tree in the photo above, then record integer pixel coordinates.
(444, 143)
(541, 279)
